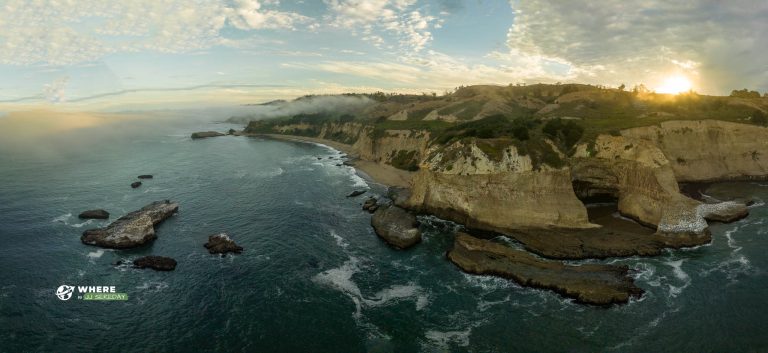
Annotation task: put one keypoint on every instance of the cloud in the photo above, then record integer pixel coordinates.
(59, 33)
(249, 14)
(720, 44)
(410, 26)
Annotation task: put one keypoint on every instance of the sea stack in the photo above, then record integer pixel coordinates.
(157, 263)
(132, 230)
(396, 226)
(94, 214)
(221, 244)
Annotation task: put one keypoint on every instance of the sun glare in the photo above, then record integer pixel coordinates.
(675, 85)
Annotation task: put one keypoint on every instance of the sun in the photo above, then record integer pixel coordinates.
(675, 85)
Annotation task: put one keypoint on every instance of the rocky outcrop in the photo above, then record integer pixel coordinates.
(590, 283)
(463, 184)
(206, 134)
(709, 150)
(135, 184)
(221, 244)
(134, 229)
(396, 226)
(157, 263)
(94, 214)
(356, 193)
(145, 176)
(370, 205)
(640, 176)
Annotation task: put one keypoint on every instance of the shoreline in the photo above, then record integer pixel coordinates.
(380, 173)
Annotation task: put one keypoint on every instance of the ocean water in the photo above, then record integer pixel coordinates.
(313, 276)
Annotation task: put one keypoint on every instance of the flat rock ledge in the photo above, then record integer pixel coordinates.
(94, 214)
(396, 226)
(132, 230)
(594, 284)
(221, 244)
(206, 134)
(157, 263)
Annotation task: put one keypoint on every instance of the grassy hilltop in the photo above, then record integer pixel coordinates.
(527, 116)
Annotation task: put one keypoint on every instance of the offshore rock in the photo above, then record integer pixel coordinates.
(157, 263)
(94, 214)
(370, 205)
(356, 193)
(134, 229)
(206, 134)
(221, 244)
(135, 184)
(396, 226)
(589, 283)
(145, 176)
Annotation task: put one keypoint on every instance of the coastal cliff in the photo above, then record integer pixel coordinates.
(525, 163)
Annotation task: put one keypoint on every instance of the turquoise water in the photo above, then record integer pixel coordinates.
(313, 276)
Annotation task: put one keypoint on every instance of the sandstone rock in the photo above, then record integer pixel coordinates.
(356, 193)
(94, 214)
(589, 283)
(206, 134)
(725, 212)
(396, 226)
(221, 244)
(145, 176)
(370, 205)
(158, 263)
(134, 229)
(135, 184)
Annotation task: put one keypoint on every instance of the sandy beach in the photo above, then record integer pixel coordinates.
(378, 172)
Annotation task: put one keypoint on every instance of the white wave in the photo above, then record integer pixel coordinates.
(80, 225)
(153, 286)
(443, 339)
(340, 278)
(339, 240)
(732, 243)
(483, 305)
(63, 218)
(677, 269)
(95, 254)
(488, 283)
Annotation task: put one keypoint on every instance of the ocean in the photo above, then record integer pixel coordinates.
(313, 276)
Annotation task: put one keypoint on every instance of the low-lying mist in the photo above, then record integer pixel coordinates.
(304, 105)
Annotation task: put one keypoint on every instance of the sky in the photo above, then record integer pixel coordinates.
(117, 54)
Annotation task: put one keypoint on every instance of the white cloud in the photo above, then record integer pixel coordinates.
(719, 44)
(410, 26)
(53, 32)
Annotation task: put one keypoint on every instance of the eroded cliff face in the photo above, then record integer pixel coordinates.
(462, 183)
(709, 150)
(400, 148)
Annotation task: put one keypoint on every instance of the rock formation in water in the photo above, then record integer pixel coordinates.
(356, 193)
(396, 226)
(370, 205)
(135, 184)
(94, 214)
(134, 229)
(221, 244)
(145, 176)
(206, 134)
(157, 263)
(590, 283)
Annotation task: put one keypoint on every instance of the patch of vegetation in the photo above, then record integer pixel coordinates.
(745, 93)
(564, 132)
(495, 126)
(464, 110)
(405, 160)
(419, 114)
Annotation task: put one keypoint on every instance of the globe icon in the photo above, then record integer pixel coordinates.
(64, 292)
